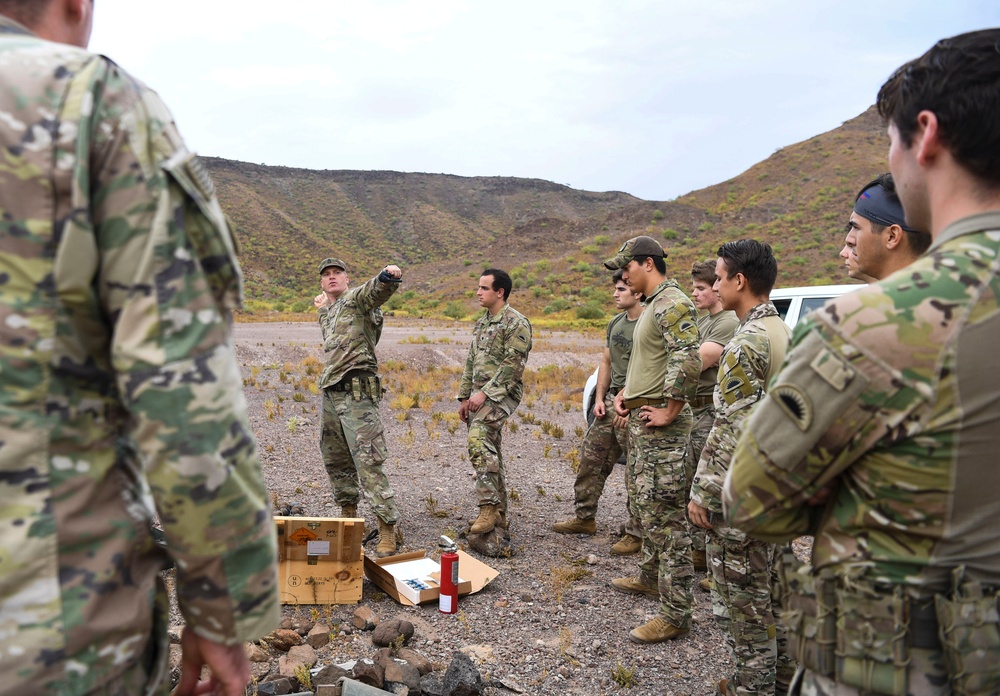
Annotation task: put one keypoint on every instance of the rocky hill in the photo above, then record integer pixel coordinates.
(445, 229)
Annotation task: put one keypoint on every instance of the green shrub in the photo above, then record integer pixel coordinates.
(591, 310)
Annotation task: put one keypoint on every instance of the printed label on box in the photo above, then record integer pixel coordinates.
(318, 548)
(302, 535)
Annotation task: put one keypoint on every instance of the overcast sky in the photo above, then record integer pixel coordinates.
(653, 98)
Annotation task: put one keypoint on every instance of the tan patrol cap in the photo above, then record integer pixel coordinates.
(327, 263)
(637, 246)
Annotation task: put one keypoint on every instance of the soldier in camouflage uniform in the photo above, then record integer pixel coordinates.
(742, 567)
(352, 438)
(879, 436)
(662, 378)
(490, 391)
(605, 439)
(120, 395)
(715, 327)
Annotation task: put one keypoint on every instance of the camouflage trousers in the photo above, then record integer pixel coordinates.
(657, 466)
(746, 576)
(353, 445)
(926, 676)
(485, 440)
(703, 417)
(603, 444)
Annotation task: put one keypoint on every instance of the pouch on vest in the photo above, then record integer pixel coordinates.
(810, 614)
(969, 626)
(872, 627)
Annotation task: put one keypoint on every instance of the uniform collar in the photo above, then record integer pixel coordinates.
(9, 26)
(759, 311)
(968, 225)
(668, 283)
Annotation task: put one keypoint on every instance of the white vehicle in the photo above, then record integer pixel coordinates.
(792, 304)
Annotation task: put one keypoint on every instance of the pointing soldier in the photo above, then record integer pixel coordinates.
(352, 438)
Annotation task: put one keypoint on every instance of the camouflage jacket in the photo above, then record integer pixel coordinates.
(352, 327)
(665, 362)
(891, 397)
(744, 366)
(120, 387)
(497, 356)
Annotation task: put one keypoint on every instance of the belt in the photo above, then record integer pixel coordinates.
(643, 401)
(346, 383)
(700, 401)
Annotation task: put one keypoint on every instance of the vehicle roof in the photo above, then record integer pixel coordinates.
(815, 291)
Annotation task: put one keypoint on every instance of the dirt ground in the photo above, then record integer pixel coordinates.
(550, 623)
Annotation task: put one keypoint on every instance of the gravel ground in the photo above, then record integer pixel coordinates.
(533, 626)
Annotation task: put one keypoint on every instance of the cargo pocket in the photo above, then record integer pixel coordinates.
(969, 627)
(871, 641)
(811, 619)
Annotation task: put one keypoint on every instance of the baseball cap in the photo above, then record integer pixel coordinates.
(326, 263)
(637, 246)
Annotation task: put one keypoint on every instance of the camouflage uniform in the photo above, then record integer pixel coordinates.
(742, 567)
(603, 443)
(352, 439)
(495, 365)
(889, 400)
(120, 387)
(664, 352)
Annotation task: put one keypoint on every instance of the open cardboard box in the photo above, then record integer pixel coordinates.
(392, 572)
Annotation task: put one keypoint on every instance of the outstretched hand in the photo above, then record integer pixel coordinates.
(229, 665)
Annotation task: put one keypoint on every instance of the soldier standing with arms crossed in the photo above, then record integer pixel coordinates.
(119, 387)
(490, 391)
(352, 438)
(662, 378)
(879, 436)
(742, 568)
(605, 439)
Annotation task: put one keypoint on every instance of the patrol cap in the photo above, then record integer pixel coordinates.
(637, 246)
(327, 263)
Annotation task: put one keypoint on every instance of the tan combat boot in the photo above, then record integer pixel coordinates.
(487, 520)
(576, 526)
(387, 539)
(699, 559)
(349, 510)
(705, 584)
(627, 545)
(724, 687)
(656, 630)
(635, 585)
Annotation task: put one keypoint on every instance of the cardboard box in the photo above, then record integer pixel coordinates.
(392, 572)
(319, 559)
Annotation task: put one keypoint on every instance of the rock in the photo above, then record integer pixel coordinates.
(402, 672)
(388, 632)
(305, 654)
(431, 685)
(283, 639)
(591, 559)
(275, 687)
(422, 664)
(369, 672)
(318, 636)
(399, 689)
(256, 653)
(462, 678)
(329, 675)
(364, 618)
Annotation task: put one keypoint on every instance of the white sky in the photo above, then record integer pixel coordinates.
(653, 98)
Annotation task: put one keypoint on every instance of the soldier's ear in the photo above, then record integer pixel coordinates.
(893, 236)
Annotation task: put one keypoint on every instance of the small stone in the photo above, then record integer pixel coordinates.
(388, 632)
(256, 653)
(275, 687)
(462, 678)
(318, 636)
(402, 672)
(422, 664)
(283, 639)
(369, 672)
(329, 675)
(304, 654)
(364, 618)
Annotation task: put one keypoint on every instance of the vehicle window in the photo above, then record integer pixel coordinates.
(782, 307)
(811, 303)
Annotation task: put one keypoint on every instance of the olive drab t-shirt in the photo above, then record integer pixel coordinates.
(620, 330)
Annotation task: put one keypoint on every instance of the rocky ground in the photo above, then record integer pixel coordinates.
(550, 622)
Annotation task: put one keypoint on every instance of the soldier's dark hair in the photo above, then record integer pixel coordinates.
(618, 275)
(703, 271)
(754, 260)
(658, 262)
(26, 12)
(501, 281)
(919, 241)
(958, 79)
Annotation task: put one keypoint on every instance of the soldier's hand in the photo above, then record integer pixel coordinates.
(394, 271)
(654, 417)
(620, 405)
(229, 665)
(463, 410)
(321, 300)
(620, 422)
(599, 410)
(698, 515)
(476, 401)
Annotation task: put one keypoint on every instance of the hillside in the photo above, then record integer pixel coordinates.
(443, 230)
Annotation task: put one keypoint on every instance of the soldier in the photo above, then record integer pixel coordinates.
(662, 378)
(715, 327)
(742, 568)
(879, 435)
(352, 438)
(120, 387)
(490, 391)
(879, 242)
(605, 439)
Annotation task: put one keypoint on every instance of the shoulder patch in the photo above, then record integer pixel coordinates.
(833, 369)
(795, 404)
